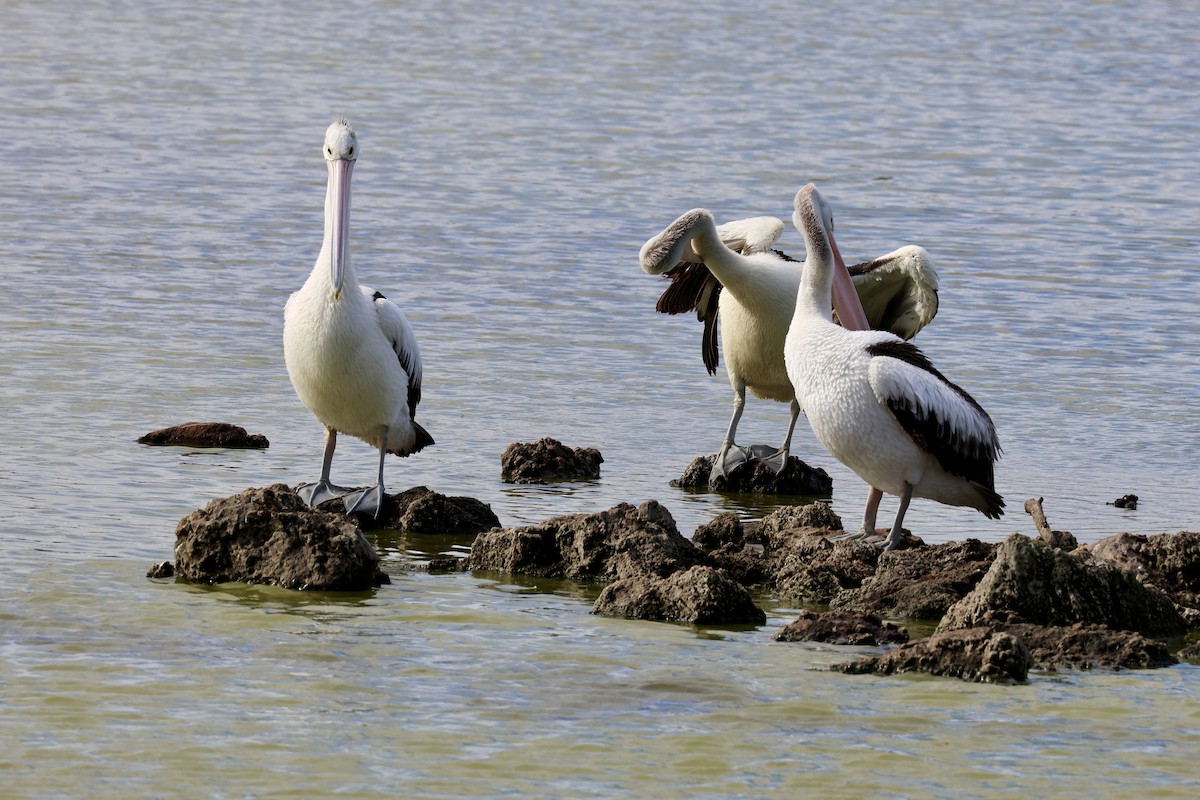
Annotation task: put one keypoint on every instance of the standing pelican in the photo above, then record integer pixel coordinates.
(875, 401)
(899, 291)
(350, 352)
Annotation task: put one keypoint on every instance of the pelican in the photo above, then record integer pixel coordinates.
(899, 291)
(875, 401)
(350, 352)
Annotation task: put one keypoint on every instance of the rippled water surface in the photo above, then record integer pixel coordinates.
(164, 191)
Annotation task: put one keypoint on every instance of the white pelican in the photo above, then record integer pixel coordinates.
(875, 401)
(899, 291)
(350, 352)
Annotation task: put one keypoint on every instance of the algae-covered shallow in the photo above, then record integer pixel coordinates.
(167, 192)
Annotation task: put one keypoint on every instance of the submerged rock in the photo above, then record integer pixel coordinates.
(979, 655)
(206, 434)
(922, 582)
(796, 478)
(548, 460)
(1044, 586)
(1129, 501)
(842, 627)
(270, 536)
(700, 595)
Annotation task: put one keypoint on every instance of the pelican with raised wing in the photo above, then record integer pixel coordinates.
(875, 401)
(734, 274)
(350, 352)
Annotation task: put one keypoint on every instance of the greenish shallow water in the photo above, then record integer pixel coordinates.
(164, 197)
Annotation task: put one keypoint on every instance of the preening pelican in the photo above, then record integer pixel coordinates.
(350, 352)
(898, 290)
(875, 401)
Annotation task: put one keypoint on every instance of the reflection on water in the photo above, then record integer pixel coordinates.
(167, 194)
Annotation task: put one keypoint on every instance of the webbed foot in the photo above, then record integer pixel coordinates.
(364, 501)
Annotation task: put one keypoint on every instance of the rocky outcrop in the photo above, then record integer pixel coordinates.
(653, 571)
(922, 582)
(814, 569)
(270, 536)
(624, 541)
(1045, 586)
(796, 478)
(206, 434)
(723, 530)
(1170, 562)
(548, 460)
(700, 595)
(842, 627)
(979, 655)
(1083, 646)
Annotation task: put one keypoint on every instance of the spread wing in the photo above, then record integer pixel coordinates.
(400, 334)
(694, 288)
(938, 415)
(898, 291)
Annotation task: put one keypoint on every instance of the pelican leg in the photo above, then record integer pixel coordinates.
(316, 493)
(778, 459)
(730, 455)
(370, 501)
(893, 538)
(867, 531)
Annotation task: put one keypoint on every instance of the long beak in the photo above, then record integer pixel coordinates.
(845, 297)
(339, 210)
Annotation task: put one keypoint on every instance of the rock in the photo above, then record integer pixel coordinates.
(548, 460)
(1128, 501)
(1048, 587)
(207, 434)
(724, 529)
(922, 582)
(796, 478)
(842, 627)
(270, 536)
(1082, 646)
(1191, 653)
(745, 564)
(1169, 561)
(980, 655)
(777, 529)
(163, 569)
(814, 569)
(608, 545)
(700, 595)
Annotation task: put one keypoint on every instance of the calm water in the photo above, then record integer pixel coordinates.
(163, 197)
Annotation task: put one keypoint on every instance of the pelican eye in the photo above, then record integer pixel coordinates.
(351, 152)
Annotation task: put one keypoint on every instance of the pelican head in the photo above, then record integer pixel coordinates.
(341, 150)
(813, 217)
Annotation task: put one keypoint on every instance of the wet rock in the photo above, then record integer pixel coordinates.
(796, 478)
(1129, 501)
(206, 434)
(746, 564)
(813, 569)
(1169, 561)
(163, 569)
(700, 595)
(842, 627)
(548, 460)
(1045, 586)
(270, 536)
(1191, 653)
(722, 530)
(1083, 646)
(980, 655)
(922, 582)
(778, 529)
(621, 542)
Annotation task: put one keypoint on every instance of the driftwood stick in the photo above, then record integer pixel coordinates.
(1033, 507)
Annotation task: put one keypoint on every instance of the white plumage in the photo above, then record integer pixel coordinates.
(875, 402)
(351, 354)
(731, 273)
